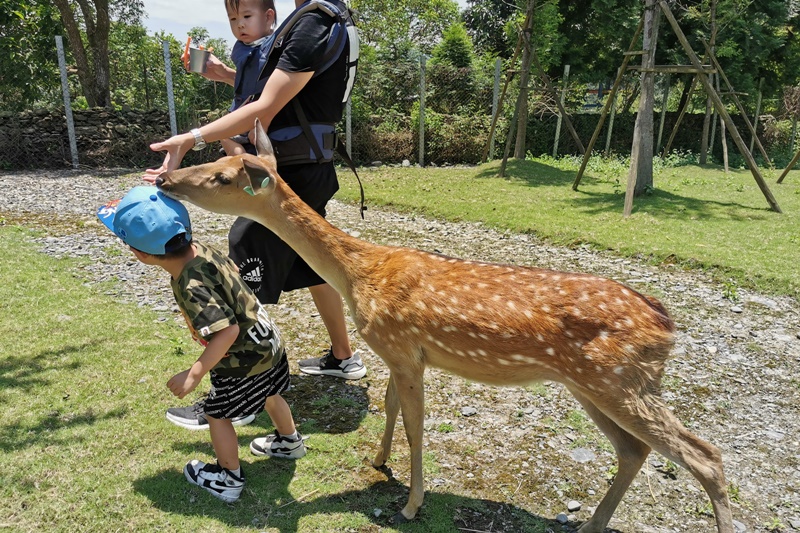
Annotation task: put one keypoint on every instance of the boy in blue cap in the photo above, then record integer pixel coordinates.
(243, 351)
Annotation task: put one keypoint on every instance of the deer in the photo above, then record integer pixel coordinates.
(498, 324)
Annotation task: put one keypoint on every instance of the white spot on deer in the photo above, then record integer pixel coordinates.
(399, 317)
(373, 305)
(545, 309)
(511, 305)
(479, 307)
(379, 320)
(473, 334)
(550, 351)
(540, 337)
(569, 333)
(421, 305)
(619, 369)
(504, 362)
(414, 329)
(528, 313)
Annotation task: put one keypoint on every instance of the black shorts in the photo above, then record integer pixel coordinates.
(266, 263)
(231, 397)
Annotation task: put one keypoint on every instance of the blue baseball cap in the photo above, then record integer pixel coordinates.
(146, 219)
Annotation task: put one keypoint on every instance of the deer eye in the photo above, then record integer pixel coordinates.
(222, 178)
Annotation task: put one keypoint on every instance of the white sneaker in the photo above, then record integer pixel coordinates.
(276, 445)
(218, 481)
(328, 365)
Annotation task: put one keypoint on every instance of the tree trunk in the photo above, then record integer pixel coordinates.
(640, 177)
(524, 77)
(92, 64)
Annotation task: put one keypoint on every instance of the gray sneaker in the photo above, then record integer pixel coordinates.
(192, 417)
(276, 445)
(328, 365)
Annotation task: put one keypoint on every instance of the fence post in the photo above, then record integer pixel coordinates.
(563, 98)
(664, 103)
(495, 100)
(173, 125)
(62, 65)
(421, 156)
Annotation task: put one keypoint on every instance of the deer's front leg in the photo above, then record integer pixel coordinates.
(408, 386)
(391, 407)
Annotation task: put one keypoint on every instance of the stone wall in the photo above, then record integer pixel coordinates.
(106, 139)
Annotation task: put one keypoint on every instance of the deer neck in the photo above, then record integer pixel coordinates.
(329, 251)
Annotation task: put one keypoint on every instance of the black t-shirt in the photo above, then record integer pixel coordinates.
(302, 51)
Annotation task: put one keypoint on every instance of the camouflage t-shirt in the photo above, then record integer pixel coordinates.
(212, 296)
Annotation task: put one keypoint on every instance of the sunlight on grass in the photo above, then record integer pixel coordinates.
(695, 216)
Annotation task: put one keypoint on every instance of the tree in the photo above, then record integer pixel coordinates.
(388, 25)
(92, 21)
(455, 47)
(28, 62)
(486, 22)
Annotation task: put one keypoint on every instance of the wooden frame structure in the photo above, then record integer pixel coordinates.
(702, 73)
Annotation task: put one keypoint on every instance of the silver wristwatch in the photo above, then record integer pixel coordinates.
(199, 142)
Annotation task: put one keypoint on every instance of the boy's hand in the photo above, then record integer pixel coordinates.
(216, 70)
(182, 383)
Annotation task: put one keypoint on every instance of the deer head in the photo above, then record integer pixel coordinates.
(218, 186)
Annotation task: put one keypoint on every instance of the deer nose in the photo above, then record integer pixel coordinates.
(159, 181)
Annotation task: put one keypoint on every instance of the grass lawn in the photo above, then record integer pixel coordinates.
(696, 215)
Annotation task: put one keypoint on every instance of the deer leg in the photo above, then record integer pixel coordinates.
(409, 389)
(657, 426)
(391, 406)
(631, 454)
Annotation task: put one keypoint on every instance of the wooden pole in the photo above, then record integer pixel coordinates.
(640, 175)
(560, 116)
(613, 98)
(740, 107)
(758, 111)
(720, 108)
(524, 77)
(548, 84)
(609, 100)
(664, 103)
(789, 166)
(678, 121)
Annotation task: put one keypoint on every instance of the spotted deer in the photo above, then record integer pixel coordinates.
(492, 323)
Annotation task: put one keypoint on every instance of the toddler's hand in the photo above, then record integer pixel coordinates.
(182, 384)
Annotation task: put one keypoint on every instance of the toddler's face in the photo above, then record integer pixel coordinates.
(251, 22)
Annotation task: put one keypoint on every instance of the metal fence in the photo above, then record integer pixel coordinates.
(415, 111)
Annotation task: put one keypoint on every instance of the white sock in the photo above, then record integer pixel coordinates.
(293, 436)
(237, 472)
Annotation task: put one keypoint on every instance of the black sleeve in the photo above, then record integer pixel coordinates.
(306, 43)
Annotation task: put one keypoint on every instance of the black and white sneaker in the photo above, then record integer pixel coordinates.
(328, 365)
(276, 445)
(192, 417)
(219, 482)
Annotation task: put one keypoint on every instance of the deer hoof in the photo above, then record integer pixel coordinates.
(399, 519)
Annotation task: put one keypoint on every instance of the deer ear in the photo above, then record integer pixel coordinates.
(263, 145)
(258, 174)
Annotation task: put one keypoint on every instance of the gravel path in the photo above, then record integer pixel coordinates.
(732, 378)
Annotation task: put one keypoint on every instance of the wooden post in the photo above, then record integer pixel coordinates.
(720, 108)
(549, 85)
(789, 166)
(495, 105)
(610, 99)
(757, 113)
(613, 98)
(524, 77)
(560, 116)
(664, 102)
(668, 146)
(62, 65)
(640, 175)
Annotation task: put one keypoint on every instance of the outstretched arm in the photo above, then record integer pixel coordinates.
(185, 382)
(281, 87)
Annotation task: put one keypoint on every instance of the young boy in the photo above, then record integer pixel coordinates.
(252, 23)
(243, 351)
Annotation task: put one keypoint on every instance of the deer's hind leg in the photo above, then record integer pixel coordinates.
(391, 408)
(648, 419)
(631, 454)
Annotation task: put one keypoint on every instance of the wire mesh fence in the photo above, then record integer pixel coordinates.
(410, 110)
